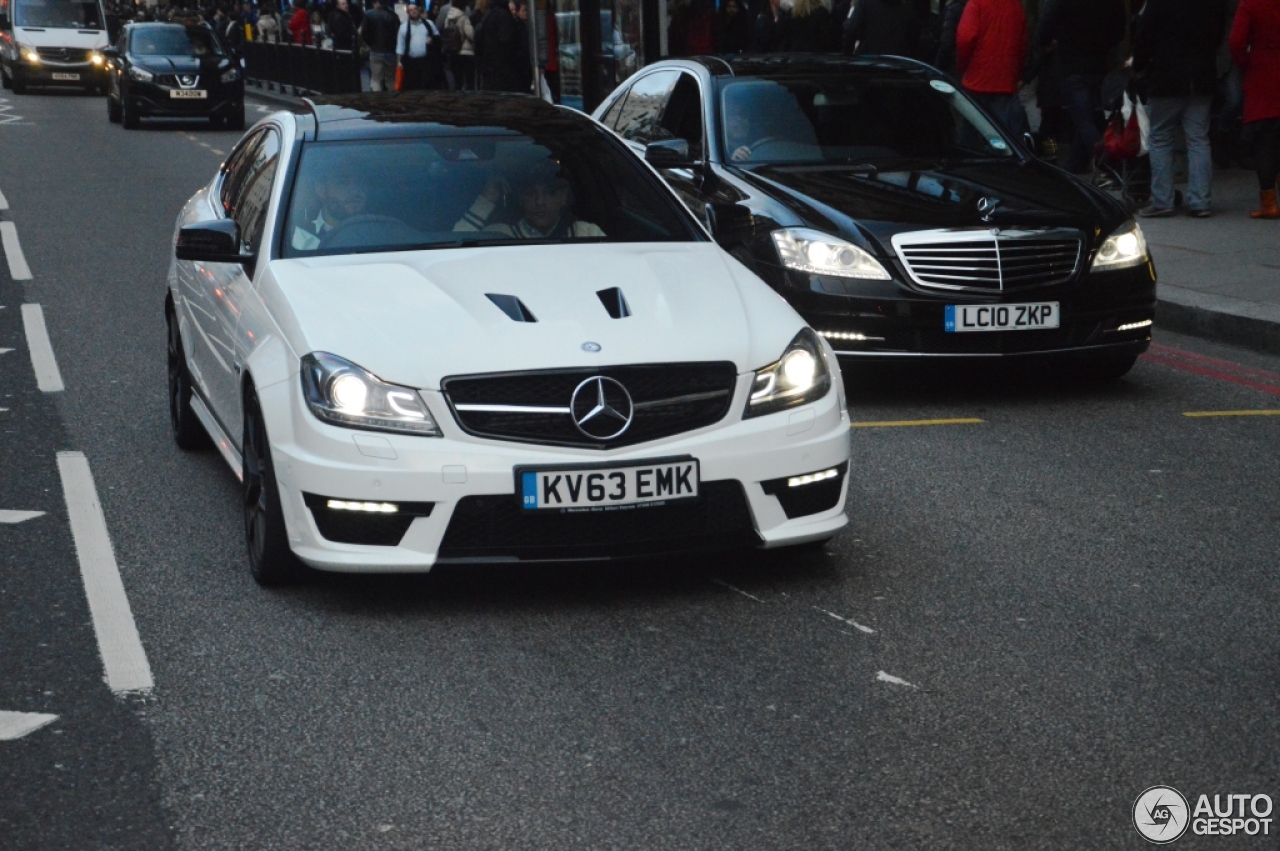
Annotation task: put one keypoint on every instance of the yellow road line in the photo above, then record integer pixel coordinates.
(900, 423)
(1232, 414)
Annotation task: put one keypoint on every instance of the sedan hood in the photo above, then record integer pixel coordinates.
(179, 64)
(414, 318)
(917, 195)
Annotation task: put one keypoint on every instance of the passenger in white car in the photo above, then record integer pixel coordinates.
(545, 207)
(338, 197)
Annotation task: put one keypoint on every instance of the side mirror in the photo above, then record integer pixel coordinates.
(673, 153)
(110, 53)
(1029, 142)
(212, 242)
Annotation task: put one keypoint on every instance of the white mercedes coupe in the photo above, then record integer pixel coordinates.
(438, 328)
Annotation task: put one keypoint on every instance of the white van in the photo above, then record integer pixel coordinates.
(52, 43)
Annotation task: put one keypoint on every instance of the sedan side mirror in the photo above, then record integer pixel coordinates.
(212, 242)
(672, 153)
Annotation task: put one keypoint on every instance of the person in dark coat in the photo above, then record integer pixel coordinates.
(1175, 48)
(379, 31)
(811, 29)
(883, 27)
(1082, 34)
(342, 29)
(734, 28)
(946, 56)
(769, 30)
(498, 53)
(1255, 46)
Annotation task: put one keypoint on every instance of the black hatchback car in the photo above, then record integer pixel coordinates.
(161, 70)
(891, 211)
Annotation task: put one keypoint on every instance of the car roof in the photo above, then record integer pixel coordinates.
(409, 114)
(776, 64)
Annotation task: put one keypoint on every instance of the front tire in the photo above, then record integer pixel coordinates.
(128, 113)
(113, 110)
(19, 84)
(271, 562)
(188, 433)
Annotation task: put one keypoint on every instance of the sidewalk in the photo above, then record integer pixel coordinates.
(1220, 277)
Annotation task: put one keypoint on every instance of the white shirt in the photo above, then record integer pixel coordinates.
(417, 33)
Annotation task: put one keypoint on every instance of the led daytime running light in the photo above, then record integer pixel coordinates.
(371, 507)
(800, 481)
(1134, 326)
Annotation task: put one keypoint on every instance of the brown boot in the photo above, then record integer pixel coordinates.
(1268, 210)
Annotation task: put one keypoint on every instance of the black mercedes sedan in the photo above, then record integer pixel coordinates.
(160, 70)
(891, 211)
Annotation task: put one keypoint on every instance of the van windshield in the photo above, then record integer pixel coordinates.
(58, 14)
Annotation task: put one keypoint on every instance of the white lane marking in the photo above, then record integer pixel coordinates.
(5, 351)
(48, 378)
(123, 658)
(738, 590)
(882, 677)
(4, 202)
(849, 621)
(18, 267)
(10, 516)
(15, 725)
(6, 107)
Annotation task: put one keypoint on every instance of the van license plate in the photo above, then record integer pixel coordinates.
(70, 78)
(189, 94)
(604, 488)
(1001, 317)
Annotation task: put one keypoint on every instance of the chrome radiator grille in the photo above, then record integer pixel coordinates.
(989, 260)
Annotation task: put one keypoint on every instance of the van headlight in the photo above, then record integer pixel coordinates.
(1124, 248)
(30, 54)
(339, 392)
(798, 377)
(812, 251)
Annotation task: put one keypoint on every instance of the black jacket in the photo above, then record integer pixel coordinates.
(814, 33)
(946, 59)
(380, 29)
(890, 27)
(501, 56)
(1175, 46)
(342, 30)
(1086, 31)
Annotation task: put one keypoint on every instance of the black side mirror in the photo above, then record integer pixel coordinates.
(110, 52)
(672, 153)
(212, 242)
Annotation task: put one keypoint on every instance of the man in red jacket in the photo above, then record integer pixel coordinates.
(991, 44)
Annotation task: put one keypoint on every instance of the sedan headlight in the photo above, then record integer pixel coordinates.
(230, 75)
(29, 53)
(813, 251)
(799, 376)
(1124, 248)
(339, 392)
(141, 74)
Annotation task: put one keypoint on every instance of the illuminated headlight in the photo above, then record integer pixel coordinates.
(30, 54)
(813, 251)
(1124, 248)
(230, 75)
(141, 74)
(96, 59)
(798, 377)
(339, 392)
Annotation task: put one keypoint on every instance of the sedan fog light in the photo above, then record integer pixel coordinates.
(371, 507)
(822, 476)
(1134, 326)
(848, 335)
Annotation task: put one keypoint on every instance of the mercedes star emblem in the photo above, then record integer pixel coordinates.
(601, 408)
(987, 207)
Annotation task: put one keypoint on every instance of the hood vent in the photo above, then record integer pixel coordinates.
(513, 307)
(615, 302)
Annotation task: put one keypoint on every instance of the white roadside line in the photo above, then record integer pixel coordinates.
(15, 725)
(48, 378)
(11, 516)
(4, 202)
(127, 669)
(18, 267)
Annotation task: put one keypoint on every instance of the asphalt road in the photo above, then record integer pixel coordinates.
(1052, 599)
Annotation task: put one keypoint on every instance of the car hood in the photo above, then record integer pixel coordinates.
(60, 37)
(414, 318)
(918, 195)
(177, 64)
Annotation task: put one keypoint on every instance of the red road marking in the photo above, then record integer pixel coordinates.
(1217, 369)
(1227, 366)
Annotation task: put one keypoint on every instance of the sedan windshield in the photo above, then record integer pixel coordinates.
(58, 14)
(172, 41)
(853, 118)
(460, 191)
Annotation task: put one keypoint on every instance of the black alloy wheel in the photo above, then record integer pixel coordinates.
(188, 433)
(271, 562)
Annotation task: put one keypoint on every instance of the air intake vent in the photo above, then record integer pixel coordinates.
(615, 302)
(513, 307)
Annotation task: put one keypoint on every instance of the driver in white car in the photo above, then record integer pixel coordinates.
(339, 196)
(545, 208)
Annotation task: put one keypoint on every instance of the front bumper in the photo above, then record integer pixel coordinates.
(462, 492)
(157, 101)
(84, 75)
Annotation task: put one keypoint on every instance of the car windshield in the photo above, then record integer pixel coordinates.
(57, 14)
(859, 117)
(172, 41)
(461, 191)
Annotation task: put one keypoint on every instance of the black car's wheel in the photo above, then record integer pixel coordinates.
(188, 433)
(113, 110)
(271, 562)
(19, 84)
(128, 113)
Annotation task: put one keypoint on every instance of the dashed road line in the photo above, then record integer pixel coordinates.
(910, 423)
(868, 630)
(4, 202)
(724, 584)
(48, 378)
(15, 725)
(8, 515)
(1262, 413)
(123, 658)
(18, 267)
(882, 677)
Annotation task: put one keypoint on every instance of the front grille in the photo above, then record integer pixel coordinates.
(172, 81)
(496, 527)
(989, 260)
(64, 54)
(668, 399)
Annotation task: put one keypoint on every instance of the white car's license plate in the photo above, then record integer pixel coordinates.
(189, 94)
(1001, 317)
(68, 77)
(604, 488)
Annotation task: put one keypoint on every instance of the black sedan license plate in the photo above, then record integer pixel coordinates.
(602, 488)
(189, 94)
(1001, 317)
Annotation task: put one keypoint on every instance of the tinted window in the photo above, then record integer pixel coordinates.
(255, 189)
(235, 172)
(853, 118)
(639, 118)
(467, 190)
(172, 41)
(682, 117)
(57, 13)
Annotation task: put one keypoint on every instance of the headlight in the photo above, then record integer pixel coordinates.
(1124, 248)
(29, 53)
(96, 58)
(799, 376)
(141, 74)
(230, 75)
(339, 392)
(813, 251)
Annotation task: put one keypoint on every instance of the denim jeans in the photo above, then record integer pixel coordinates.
(1192, 114)
(1007, 109)
(1082, 96)
(382, 72)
